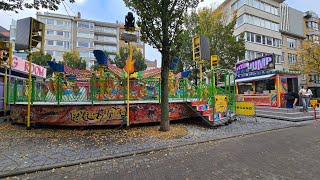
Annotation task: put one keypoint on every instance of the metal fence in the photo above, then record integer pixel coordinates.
(113, 88)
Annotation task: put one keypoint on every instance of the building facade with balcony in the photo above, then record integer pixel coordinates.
(272, 27)
(58, 33)
(65, 33)
(259, 20)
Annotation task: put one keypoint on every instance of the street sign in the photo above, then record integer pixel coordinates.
(221, 103)
(245, 108)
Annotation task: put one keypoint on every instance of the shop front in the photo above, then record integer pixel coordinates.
(258, 81)
(19, 71)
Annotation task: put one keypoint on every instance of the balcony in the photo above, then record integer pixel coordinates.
(105, 31)
(105, 40)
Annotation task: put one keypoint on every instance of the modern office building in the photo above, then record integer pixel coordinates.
(66, 33)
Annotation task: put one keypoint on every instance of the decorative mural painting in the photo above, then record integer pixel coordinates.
(98, 115)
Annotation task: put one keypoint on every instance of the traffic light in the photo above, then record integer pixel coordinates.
(214, 61)
(5, 52)
(30, 33)
(201, 48)
(129, 22)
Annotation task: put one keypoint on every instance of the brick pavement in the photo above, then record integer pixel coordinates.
(18, 156)
(291, 153)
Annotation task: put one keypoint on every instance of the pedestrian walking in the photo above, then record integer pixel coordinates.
(305, 94)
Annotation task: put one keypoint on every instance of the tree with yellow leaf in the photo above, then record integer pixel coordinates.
(309, 59)
(73, 60)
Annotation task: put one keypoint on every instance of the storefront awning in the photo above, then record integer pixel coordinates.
(254, 78)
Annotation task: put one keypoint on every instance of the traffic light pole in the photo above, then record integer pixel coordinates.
(5, 91)
(128, 85)
(200, 65)
(29, 90)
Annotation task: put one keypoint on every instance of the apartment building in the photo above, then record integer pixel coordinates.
(293, 35)
(312, 32)
(272, 27)
(260, 21)
(66, 33)
(58, 35)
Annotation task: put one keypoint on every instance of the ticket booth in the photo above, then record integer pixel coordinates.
(257, 81)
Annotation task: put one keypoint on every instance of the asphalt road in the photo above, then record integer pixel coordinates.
(292, 153)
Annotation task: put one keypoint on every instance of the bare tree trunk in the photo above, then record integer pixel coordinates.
(164, 124)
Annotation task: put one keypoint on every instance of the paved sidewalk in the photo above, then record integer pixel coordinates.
(286, 154)
(24, 151)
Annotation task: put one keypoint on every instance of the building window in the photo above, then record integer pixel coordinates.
(85, 35)
(256, 4)
(50, 21)
(58, 53)
(269, 41)
(83, 44)
(59, 43)
(277, 59)
(85, 54)
(282, 57)
(315, 39)
(312, 25)
(67, 24)
(303, 77)
(106, 48)
(106, 39)
(240, 21)
(50, 32)
(258, 54)
(246, 18)
(106, 29)
(292, 43)
(110, 48)
(59, 33)
(85, 25)
(50, 42)
(257, 38)
(292, 58)
(60, 23)
(66, 35)
(66, 45)
(315, 78)
(250, 54)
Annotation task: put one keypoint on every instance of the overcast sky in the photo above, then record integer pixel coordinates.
(115, 10)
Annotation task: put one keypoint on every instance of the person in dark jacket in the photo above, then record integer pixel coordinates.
(292, 99)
